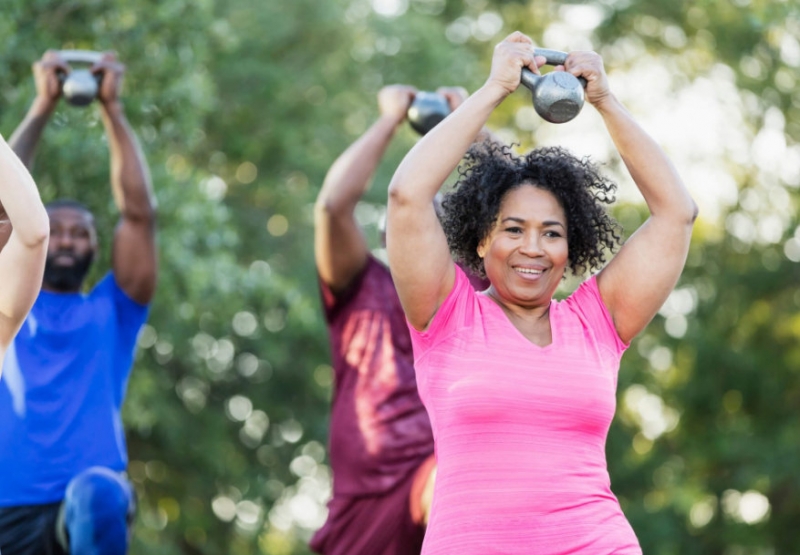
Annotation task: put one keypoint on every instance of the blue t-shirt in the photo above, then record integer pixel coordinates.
(62, 388)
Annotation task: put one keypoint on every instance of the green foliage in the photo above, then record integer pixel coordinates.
(242, 106)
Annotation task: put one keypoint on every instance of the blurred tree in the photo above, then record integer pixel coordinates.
(241, 106)
(722, 480)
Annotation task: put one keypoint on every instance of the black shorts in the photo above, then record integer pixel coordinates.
(30, 530)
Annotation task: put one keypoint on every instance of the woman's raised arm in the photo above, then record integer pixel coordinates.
(23, 253)
(419, 257)
(639, 278)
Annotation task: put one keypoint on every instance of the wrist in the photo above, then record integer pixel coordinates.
(43, 105)
(493, 92)
(391, 121)
(608, 104)
(112, 107)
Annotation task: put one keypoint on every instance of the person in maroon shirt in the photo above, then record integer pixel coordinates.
(381, 444)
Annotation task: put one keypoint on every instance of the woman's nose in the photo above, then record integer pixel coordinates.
(532, 245)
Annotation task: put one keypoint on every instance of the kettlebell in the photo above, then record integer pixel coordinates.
(80, 86)
(427, 110)
(558, 95)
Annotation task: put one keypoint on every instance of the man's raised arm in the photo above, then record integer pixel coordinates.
(134, 257)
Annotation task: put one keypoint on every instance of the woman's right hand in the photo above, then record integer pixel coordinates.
(510, 57)
(589, 66)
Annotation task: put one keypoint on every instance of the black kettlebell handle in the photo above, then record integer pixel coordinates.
(553, 58)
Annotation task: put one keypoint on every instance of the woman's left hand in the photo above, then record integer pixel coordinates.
(589, 65)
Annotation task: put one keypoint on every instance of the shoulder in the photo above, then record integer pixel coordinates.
(454, 312)
(587, 293)
(108, 288)
(373, 283)
(586, 305)
(375, 267)
(585, 302)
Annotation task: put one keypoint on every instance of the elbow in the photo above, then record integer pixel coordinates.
(324, 205)
(141, 214)
(42, 235)
(33, 233)
(336, 198)
(412, 188)
(399, 194)
(692, 212)
(682, 211)
(38, 234)
(327, 207)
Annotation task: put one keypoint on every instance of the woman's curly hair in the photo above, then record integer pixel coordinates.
(491, 170)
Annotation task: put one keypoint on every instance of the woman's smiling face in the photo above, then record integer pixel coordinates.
(526, 253)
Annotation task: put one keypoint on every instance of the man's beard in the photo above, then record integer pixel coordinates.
(66, 278)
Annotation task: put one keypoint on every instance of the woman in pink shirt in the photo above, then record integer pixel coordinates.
(520, 389)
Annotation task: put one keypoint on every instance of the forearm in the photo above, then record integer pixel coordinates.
(350, 175)
(424, 276)
(21, 269)
(26, 136)
(130, 177)
(340, 249)
(438, 153)
(655, 176)
(20, 199)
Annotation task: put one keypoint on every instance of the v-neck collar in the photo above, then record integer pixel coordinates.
(507, 321)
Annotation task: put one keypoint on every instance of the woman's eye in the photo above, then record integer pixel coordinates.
(514, 230)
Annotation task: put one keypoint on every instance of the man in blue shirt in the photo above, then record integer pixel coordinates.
(62, 445)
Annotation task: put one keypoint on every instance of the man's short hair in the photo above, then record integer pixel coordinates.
(67, 203)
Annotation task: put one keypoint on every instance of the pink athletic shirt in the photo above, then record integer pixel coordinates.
(520, 430)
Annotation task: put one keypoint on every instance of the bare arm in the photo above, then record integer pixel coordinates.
(419, 257)
(28, 133)
(638, 280)
(26, 136)
(340, 248)
(455, 97)
(134, 256)
(23, 256)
